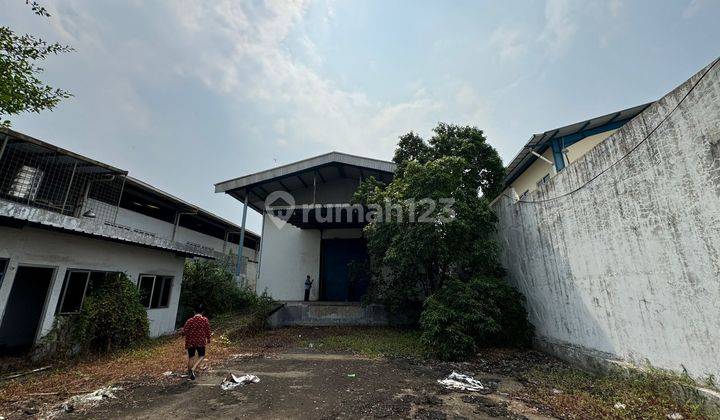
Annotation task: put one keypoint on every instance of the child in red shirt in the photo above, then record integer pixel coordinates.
(197, 335)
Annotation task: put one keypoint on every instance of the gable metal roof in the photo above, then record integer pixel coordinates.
(302, 174)
(540, 142)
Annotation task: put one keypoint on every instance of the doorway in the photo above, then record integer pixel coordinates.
(24, 308)
(336, 284)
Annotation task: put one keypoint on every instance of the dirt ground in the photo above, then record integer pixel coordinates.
(305, 384)
(329, 373)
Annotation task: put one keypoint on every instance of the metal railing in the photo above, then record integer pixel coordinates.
(48, 178)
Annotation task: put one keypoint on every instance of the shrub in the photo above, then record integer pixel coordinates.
(462, 316)
(112, 316)
(211, 284)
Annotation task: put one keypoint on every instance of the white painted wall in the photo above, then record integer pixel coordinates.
(628, 264)
(289, 255)
(63, 251)
(164, 230)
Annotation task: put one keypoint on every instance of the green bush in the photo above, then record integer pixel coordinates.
(462, 316)
(112, 316)
(211, 284)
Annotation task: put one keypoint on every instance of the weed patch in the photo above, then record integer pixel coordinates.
(570, 393)
(372, 342)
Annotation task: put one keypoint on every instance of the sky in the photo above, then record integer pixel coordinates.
(184, 94)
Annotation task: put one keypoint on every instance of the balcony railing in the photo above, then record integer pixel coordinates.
(42, 176)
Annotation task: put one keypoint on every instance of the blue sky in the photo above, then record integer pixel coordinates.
(184, 94)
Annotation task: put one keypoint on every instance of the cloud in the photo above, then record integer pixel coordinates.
(615, 7)
(693, 8)
(509, 42)
(245, 53)
(560, 26)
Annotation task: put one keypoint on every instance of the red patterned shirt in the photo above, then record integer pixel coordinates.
(197, 331)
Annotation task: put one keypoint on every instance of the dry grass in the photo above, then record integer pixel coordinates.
(142, 365)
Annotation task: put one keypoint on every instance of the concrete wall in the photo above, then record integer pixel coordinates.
(528, 180)
(289, 254)
(628, 266)
(31, 246)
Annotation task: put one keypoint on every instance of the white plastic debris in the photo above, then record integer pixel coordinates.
(675, 416)
(97, 395)
(232, 381)
(88, 399)
(620, 406)
(168, 373)
(556, 391)
(459, 381)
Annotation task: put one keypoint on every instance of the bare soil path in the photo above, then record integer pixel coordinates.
(315, 385)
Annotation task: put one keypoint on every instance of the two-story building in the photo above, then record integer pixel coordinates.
(66, 221)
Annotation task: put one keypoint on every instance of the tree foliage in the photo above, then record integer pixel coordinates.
(209, 283)
(461, 316)
(112, 316)
(413, 258)
(21, 89)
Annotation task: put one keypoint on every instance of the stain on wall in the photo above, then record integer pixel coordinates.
(619, 254)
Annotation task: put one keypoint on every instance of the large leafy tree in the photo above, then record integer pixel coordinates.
(21, 89)
(434, 242)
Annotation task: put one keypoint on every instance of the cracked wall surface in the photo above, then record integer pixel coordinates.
(623, 256)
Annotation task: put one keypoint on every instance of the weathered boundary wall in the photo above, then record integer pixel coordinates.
(628, 266)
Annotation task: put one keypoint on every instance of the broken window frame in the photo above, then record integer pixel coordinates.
(167, 282)
(66, 284)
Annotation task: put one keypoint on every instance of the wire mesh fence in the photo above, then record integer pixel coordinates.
(48, 178)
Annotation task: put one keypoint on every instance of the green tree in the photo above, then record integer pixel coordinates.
(432, 249)
(413, 258)
(21, 89)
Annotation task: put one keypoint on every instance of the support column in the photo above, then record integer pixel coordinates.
(238, 268)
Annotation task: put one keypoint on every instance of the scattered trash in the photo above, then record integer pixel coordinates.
(620, 406)
(459, 381)
(556, 391)
(243, 355)
(232, 381)
(88, 399)
(310, 345)
(675, 416)
(168, 373)
(351, 375)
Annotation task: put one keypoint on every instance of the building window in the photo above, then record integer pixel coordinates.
(77, 285)
(3, 267)
(26, 182)
(155, 290)
(544, 179)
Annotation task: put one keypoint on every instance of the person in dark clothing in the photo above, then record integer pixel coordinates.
(308, 286)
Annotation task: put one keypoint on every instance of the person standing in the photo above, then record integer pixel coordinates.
(197, 336)
(308, 286)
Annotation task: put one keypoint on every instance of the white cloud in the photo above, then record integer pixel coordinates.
(693, 8)
(509, 42)
(615, 7)
(244, 53)
(560, 25)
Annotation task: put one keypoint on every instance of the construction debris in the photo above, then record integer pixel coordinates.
(462, 382)
(232, 381)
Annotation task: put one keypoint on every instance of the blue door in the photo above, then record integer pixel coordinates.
(337, 254)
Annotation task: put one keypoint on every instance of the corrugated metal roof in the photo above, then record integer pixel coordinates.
(539, 142)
